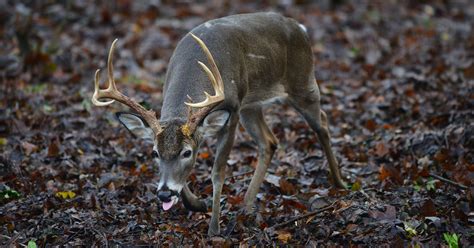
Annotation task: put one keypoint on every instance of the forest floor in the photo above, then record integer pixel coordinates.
(397, 83)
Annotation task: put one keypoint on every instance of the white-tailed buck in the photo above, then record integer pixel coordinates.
(255, 58)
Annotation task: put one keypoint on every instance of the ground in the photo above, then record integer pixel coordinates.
(397, 83)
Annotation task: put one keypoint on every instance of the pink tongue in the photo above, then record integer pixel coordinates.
(167, 205)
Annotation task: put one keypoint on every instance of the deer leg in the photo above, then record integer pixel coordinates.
(253, 121)
(309, 107)
(225, 140)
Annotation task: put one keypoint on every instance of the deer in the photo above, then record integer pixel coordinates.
(255, 59)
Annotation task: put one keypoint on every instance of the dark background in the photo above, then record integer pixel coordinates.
(396, 79)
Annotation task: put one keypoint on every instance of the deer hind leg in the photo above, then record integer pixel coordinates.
(253, 121)
(309, 106)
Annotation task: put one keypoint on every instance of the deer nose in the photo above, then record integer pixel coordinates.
(165, 195)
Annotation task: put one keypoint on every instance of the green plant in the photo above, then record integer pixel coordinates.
(431, 184)
(8, 193)
(410, 231)
(32, 244)
(451, 239)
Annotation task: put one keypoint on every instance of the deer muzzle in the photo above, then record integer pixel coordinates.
(168, 197)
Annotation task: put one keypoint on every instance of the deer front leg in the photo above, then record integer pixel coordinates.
(254, 123)
(225, 140)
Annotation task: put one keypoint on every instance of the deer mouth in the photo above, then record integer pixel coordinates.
(167, 205)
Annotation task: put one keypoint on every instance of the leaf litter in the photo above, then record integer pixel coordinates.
(396, 81)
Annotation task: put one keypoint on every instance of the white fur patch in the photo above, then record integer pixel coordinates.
(280, 99)
(172, 185)
(254, 56)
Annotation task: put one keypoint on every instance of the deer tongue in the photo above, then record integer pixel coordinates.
(167, 205)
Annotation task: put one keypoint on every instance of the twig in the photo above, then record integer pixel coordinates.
(240, 174)
(461, 186)
(315, 212)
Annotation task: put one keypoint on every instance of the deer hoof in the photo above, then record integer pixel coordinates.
(214, 229)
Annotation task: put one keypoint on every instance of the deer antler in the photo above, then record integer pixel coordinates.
(210, 101)
(112, 93)
(213, 74)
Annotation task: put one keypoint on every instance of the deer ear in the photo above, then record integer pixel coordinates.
(213, 123)
(136, 125)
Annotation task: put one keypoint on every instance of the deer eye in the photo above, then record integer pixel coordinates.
(187, 154)
(155, 154)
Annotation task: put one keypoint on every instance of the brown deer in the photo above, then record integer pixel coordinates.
(255, 58)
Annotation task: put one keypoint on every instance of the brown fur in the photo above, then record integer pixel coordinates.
(170, 140)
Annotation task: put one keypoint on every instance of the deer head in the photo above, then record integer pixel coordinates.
(175, 143)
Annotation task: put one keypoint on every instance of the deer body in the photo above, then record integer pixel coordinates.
(257, 57)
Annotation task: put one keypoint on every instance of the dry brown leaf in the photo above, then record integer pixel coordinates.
(371, 125)
(286, 187)
(28, 148)
(284, 236)
(53, 148)
(388, 171)
(381, 149)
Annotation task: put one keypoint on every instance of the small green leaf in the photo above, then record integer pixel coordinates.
(36, 88)
(417, 186)
(356, 186)
(32, 244)
(3, 141)
(410, 231)
(87, 105)
(431, 184)
(47, 108)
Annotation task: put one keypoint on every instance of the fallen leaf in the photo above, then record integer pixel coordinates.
(234, 200)
(53, 148)
(286, 187)
(388, 171)
(428, 208)
(381, 149)
(273, 179)
(65, 194)
(204, 155)
(28, 148)
(284, 236)
(390, 213)
(371, 125)
(356, 186)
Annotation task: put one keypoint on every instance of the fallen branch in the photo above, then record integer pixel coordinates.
(312, 213)
(461, 186)
(240, 174)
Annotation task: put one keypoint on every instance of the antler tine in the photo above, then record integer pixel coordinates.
(213, 74)
(112, 93)
(110, 68)
(95, 97)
